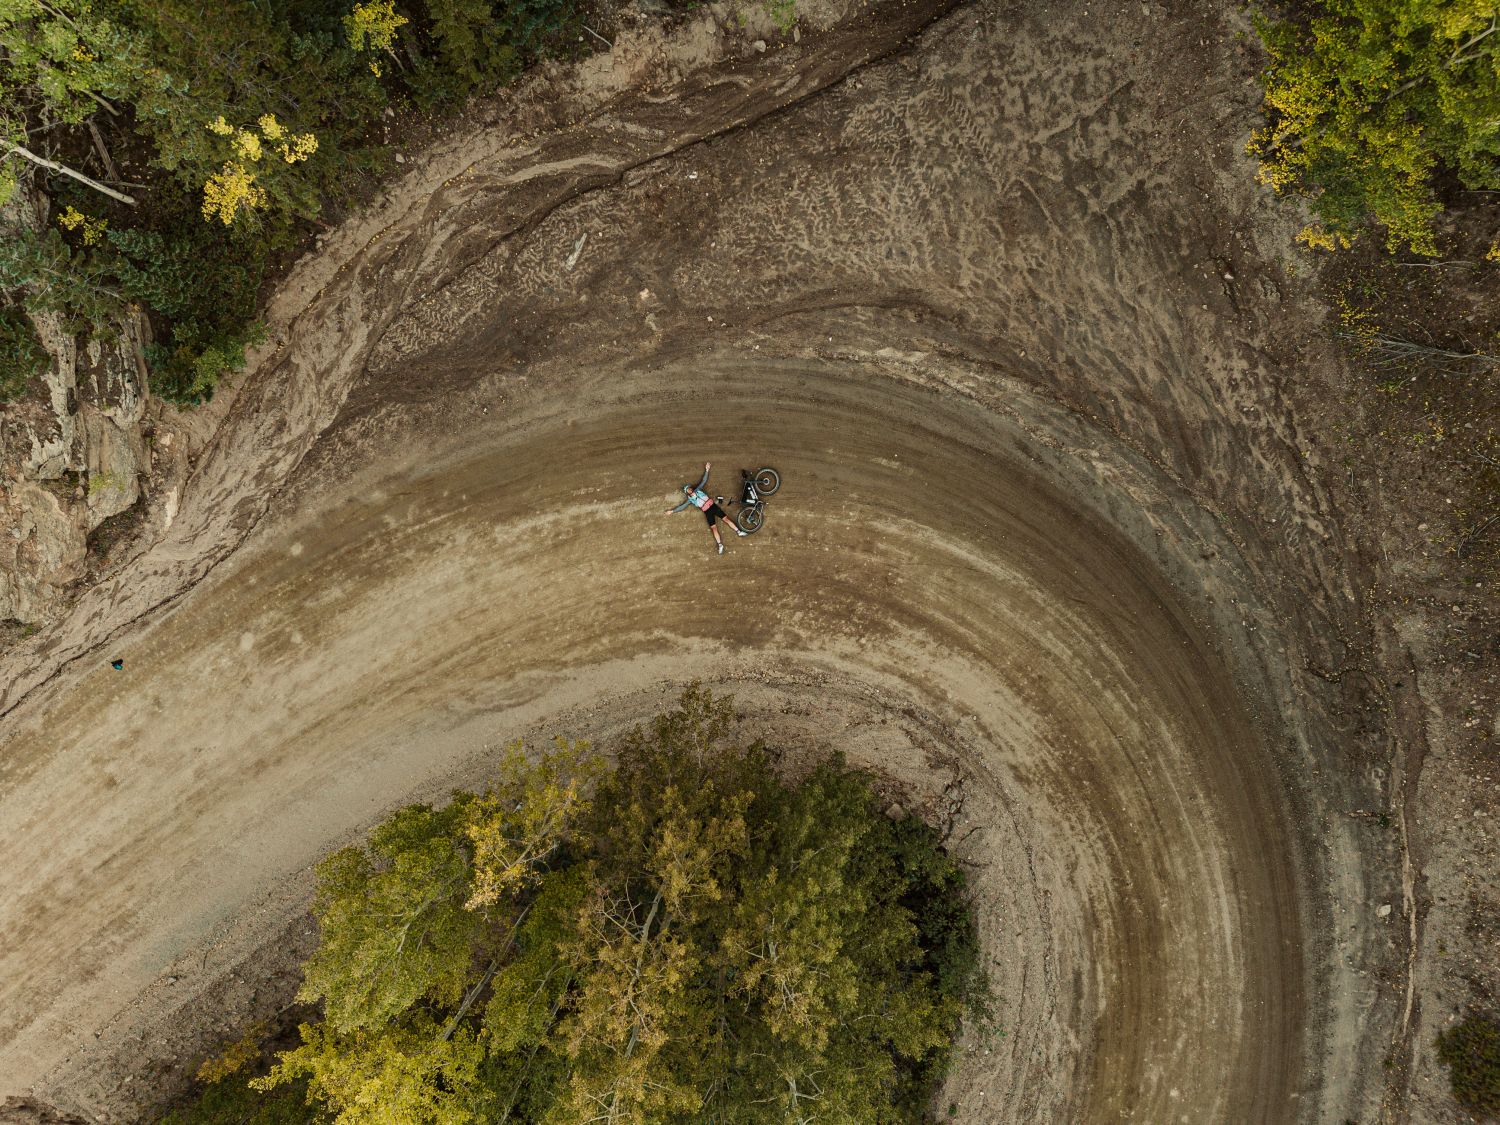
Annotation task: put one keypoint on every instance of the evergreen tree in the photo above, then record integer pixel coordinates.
(60, 64)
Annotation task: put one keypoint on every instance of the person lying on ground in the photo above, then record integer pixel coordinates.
(698, 498)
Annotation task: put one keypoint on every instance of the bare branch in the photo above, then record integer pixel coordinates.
(43, 162)
(109, 165)
(1392, 351)
(1474, 535)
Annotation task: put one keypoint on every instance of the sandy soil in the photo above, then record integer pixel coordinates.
(1055, 554)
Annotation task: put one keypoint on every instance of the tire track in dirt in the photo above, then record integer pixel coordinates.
(1051, 542)
(362, 652)
(324, 345)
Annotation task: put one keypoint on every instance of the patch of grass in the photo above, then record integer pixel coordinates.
(230, 1101)
(1471, 1050)
(783, 14)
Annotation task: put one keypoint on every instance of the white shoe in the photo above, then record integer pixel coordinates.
(721, 548)
(740, 533)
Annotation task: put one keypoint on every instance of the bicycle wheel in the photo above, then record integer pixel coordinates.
(750, 520)
(767, 481)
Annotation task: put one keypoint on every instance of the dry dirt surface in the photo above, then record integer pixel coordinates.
(994, 289)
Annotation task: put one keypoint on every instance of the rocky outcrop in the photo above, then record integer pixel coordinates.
(72, 449)
(43, 550)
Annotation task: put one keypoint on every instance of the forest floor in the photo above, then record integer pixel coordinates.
(1089, 544)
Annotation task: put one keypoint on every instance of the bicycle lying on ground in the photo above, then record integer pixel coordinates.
(755, 487)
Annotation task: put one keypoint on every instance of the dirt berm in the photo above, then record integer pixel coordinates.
(995, 290)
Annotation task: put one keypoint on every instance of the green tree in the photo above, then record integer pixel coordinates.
(463, 46)
(202, 296)
(471, 42)
(60, 63)
(41, 270)
(254, 116)
(1367, 99)
(263, 109)
(405, 934)
(407, 1073)
(636, 1026)
(232, 1101)
(22, 357)
(831, 982)
(394, 927)
(684, 938)
(529, 814)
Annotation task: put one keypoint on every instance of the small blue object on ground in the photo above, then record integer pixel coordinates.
(117, 664)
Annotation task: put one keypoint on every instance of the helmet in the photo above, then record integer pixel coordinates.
(688, 489)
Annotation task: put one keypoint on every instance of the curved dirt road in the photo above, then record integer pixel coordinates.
(917, 576)
(1027, 564)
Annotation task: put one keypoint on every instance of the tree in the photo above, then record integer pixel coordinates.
(22, 357)
(40, 269)
(60, 62)
(222, 99)
(470, 40)
(682, 938)
(394, 927)
(831, 982)
(636, 1027)
(238, 107)
(372, 27)
(205, 317)
(239, 184)
(252, 117)
(406, 1073)
(525, 817)
(1368, 99)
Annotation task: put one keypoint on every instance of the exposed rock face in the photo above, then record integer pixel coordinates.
(72, 450)
(43, 550)
(111, 377)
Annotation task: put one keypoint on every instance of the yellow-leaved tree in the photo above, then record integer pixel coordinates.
(517, 824)
(683, 937)
(1369, 101)
(373, 27)
(239, 186)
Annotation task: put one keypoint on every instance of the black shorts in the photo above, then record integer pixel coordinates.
(714, 512)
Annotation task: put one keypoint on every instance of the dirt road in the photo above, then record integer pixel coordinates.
(916, 570)
(1051, 554)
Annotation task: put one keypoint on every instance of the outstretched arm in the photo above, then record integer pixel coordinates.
(673, 511)
(702, 484)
